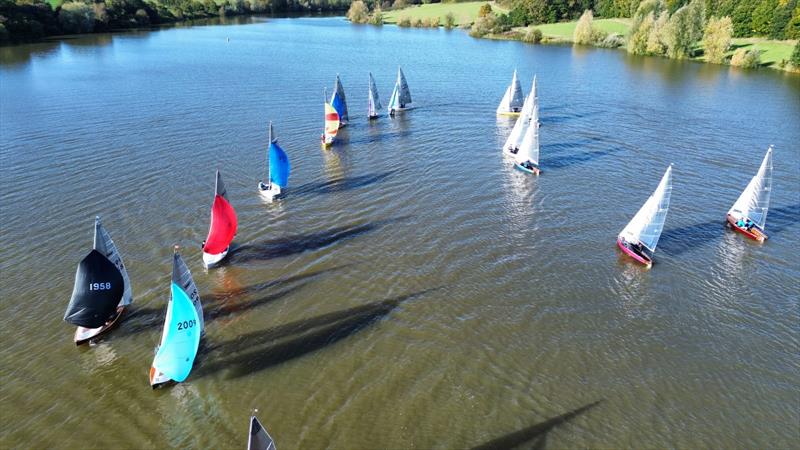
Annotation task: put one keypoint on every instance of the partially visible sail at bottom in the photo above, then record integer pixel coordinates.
(259, 439)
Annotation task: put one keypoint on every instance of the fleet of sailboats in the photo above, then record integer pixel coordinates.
(278, 173)
(524, 120)
(102, 289)
(401, 96)
(222, 228)
(640, 237)
(183, 326)
(511, 103)
(749, 214)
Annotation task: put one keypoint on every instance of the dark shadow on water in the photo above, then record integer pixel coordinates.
(384, 136)
(553, 119)
(560, 162)
(341, 184)
(221, 304)
(676, 241)
(534, 436)
(253, 352)
(299, 243)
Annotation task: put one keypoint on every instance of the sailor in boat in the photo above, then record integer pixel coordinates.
(740, 223)
(527, 164)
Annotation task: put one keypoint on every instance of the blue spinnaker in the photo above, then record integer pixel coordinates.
(278, 165)
(179, 345)
(339, 105)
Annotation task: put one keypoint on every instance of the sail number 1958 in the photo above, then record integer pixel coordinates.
(186, 324)
(99, 286)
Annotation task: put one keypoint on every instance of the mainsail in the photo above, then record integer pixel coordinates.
(104, 245)
(529, 148)
(339, 102)
(331, 123)
(182, 277)
(98, 290)
(647, 224)
(404, 92)
(374, 100)
(514, 139)
(278, 162)
(513, 97)
(223, 221)
(259, 439)
(181, 336)
(753, 204)
(394, 99)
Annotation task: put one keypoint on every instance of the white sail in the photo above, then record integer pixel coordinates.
(513, 97)
(514, 139)
(753, 204)
(647, 224)
(529, 148)
(374, 100)
(405, 93)
(394, 99)
(104, 245)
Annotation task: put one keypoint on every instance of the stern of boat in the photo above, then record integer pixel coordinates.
(84, 335)
(211, 261)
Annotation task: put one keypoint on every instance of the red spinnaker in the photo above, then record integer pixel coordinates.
(223, 226)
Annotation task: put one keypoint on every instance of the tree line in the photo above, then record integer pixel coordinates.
(27, 20)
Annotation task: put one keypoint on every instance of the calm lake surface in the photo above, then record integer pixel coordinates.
(412, 290)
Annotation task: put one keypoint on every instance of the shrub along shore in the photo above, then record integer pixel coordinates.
(757, 33)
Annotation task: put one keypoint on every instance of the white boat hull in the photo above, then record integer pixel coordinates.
(83, 334)
(210, 261)
(269, 193)
(399, 110)
(157, 378)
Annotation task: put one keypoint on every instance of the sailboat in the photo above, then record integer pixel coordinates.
(514, 139)
(183, 326)
(640, 237)
(374, 101)
(752, 206)
(401, 96)
(259, 439)
(527, 158)
(331, 123)
(102, 289)
(278, 170)
(339, 102)
(511, 104)
(222, 229)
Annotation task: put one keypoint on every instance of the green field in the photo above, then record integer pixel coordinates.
(463, 12)
(772, 52)
(564, 30)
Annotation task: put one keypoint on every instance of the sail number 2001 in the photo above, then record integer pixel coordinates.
(186, 324)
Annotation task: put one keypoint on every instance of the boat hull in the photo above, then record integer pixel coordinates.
(643, 259)
(399, 110)
(211, 261)
(754, 233)
(326, 142)
(158, 379)
(269, 193)
(509, 114)
(533, 171)
(84, 335)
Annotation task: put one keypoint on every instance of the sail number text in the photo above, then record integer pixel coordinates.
(99, 286)
(186, 324)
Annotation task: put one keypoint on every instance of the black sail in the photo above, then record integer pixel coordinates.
(259, 438)
(98, 290)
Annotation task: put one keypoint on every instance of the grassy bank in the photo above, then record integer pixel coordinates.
(465, 13)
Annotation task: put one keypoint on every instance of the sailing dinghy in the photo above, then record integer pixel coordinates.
(259, 439)
(331, 124)
(640, 237)
(278, 170)
(339, 102)
(222, 229)
(374, 107)
(102, 289)
(514, 140)
(749, 214)
(183, 326)
(401, 95)
(527, 158)
(511, 103)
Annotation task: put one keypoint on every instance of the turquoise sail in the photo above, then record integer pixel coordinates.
(181, 338)
(278, 165)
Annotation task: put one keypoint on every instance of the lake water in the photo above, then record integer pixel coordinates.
(412, 290)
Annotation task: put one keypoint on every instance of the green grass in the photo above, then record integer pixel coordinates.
(772, 52)
(563, 30)
(463, 12)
